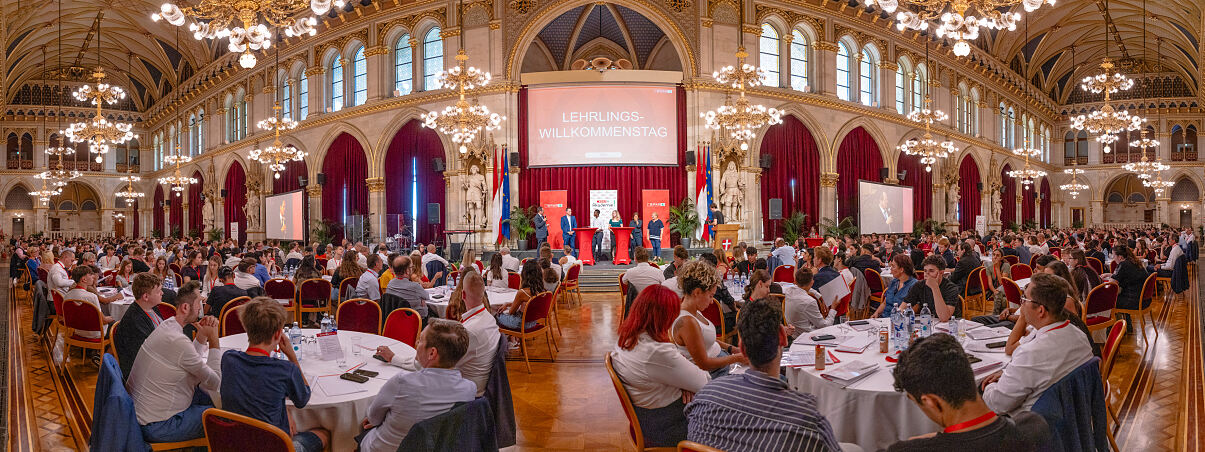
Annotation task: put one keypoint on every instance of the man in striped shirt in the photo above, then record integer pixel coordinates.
(756, 411)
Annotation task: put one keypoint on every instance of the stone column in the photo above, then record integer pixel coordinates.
(316, 77)
(219, 214)
(184, 229)
(828, 195)
(1096, 212)
(938, 200)
(378, 70)
(376, 207)
(887, 84)
(106, 221)
(1163, 203)
(315, 192)
(825, 72)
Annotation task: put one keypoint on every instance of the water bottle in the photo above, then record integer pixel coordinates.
(910, 324)
(953, 326)
(334, 324)
(325, 324)
(926, 322)
(898, 343)
(295, 339)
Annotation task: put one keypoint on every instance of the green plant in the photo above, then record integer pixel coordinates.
(928, 225)
(520, 222)
(213, 235)
(194, 233)
(834, 228)
(176, 232)
(1029, 224)
(156, 234)
(683, 220)
(323, 231)
(793, 226)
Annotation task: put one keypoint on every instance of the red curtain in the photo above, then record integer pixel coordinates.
(579, 180)
(1028, 195)
(857, 158)
(236, 198)
(1045, 203)
(411, 159)
(156, 212)
(134, 232)
(1008, 208)
(969, 202)
(176, 212)
(793, 175)
(288, 178)
(195, 204)
(921, 182)
(345, 193)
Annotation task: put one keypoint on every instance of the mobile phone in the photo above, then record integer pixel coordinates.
(973, 359)
(381, 358)
(354, 377)
(997, 344)
(366, 373)
(824, 337)
(860, 322)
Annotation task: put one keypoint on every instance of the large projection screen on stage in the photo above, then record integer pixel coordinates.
(884, 209)
(285, 216)
(627, 124)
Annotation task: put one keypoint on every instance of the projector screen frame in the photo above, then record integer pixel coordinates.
(910, 224)
(305, 216)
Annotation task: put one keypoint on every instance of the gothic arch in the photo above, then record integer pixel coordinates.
(314, 162)
(849, 126)
(377, 154)
(793, 109)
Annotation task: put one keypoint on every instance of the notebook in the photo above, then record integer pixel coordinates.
(982, 334)
(857, 344)
(851, 372)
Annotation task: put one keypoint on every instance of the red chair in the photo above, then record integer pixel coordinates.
(174, 267)
(1108, 353)
(165, 310)
(874, 284)
(654, 265)
(569, 287)
(975, 302)
(403, 324)
(1096, 264)
(513, 280)
(314, 295)
(536, 310)
(1020, 271)
(1013, 260)
(229, 322)
(1101, 299)
(281, 289)
(1012, 292)
(321, 263)
(784, 273)
(1145, 302)
(229, 432)
(1113, 267)
(57, 299)
(179, 280)
(79, 315)
(359, 314)
(629, 411)
(347, 288)
(715, 315)
(44, 274)
(1056, 252)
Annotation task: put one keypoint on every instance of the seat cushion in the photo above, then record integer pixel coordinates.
(77, 337)
(1098, 319)
(535, 328)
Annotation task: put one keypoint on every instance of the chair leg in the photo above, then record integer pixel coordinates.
(1112, 440)
(1142, 324)
(523, 347)
(548, 343)
(1113, 414)
(556, 318)
(1154, 325)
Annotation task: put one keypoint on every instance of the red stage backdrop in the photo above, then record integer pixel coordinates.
(553, 202)
(655, 201)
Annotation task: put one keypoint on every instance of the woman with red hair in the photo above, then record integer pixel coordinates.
(659, 379)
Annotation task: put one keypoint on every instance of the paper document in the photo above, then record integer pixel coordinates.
(334, 386)
(857, 344)
(851, 372)
(982, 334)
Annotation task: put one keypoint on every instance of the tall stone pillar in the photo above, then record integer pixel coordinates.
(184, 229)
(315, 77)
(1096, 212)
(378, 68)
(106, 221)
(376, 207)
(826, 68)
(887, 84)
(828, 195)
(315, 192)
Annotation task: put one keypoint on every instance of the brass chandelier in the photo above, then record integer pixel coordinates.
(1159, 185)
(741, 118)
(177, 180)
(276, 155)
(958, 20)
(926, 147)
(1108, 120)
(99, 133)
(1074, 187)
(243, 21)
(129, 193)
(464, 119)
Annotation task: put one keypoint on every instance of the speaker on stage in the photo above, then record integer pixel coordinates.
(321, 179)
(690, 157)
(766, 161)
(882, 174)
(979, 186)
(775, 208)
(433, 213)
(437, 164)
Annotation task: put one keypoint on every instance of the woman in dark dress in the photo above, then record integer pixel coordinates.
(1130, 277)
(637, 231)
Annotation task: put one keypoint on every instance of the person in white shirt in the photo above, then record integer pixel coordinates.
(369, 284)
(495, 275)
(483, 333)
(672, 284)
(335, 260)
(234, 259)
(168, 370)
(430, 256)
(509, 263)
(109, 261)
(785, 253)
(362, 256)
(1042, 357)
(59, 279)
(245, 278)
(803, 309)
(85, 277)
(411, 397)
(643, 274)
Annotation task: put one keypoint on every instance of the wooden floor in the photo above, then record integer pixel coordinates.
(569, 404)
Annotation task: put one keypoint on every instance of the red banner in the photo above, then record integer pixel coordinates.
(655, 201)
(554, 203)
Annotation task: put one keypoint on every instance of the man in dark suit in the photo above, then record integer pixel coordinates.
(140, 320)
(223, 293)
(567, 225)
(541, 225)
(967, 261)
(887, 212)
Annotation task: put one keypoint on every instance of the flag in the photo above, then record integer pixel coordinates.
(703, 195)
(501, 199)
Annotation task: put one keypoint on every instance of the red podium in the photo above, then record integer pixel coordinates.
(623, 236)
(585, 244)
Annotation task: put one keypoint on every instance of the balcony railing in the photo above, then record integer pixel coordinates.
(17, 163)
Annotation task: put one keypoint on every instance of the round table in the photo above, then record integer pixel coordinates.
(118, 308)
(869, 412)
(497, 296)
(341, 414)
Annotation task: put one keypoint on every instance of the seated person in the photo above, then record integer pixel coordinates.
(225, 291)
(1040, 359)
(694, 335)
(142, 318)
(760, 287)
(935, 291)
(368, 286)
(411, 397)
(84, 277)
(900, 286)
(680, 257)
(408, 290)
(256, 384)
(165, 377)
(658, 379)
(728, 306)
(757, 411)
(244, 276)
(531, 283)
(804, 309)
(643, 274)
(496, 276)
(482, 328)
(936, 375)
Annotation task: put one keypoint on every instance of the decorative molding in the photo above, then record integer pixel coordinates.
(316, 70)
(376, 50)
(706, 22)
(523, 6)
(376, 184)
(829, 180)
(826, 46)
(678, 6)
(315, 191)
(409, 22)
(884, 64)
(449, 32)
(340, 44)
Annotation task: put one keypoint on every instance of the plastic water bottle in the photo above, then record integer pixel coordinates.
(925, 322)
(910, 324)
(325, 323)
(898, 341)
(334, 324)
(295, 339)
(953, 326)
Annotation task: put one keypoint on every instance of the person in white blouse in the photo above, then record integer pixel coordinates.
(785, 253)
(658, 378)
(59, 279)
(1042, 357)
(803, 309)
(643, 274)
(509, 263)
(110, 260)
(495, 275)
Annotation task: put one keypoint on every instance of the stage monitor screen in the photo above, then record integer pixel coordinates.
(602, 125)
(884, 209)
(285, 216)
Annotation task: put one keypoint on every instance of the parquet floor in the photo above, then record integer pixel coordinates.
(1158, 389)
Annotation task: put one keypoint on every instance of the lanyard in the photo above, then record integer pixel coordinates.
(478, 311)
(989, 416)
(1065, 323)
(259, 350)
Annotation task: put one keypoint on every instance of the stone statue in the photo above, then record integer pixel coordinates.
(207, 212)
(253, 212)
(475, 189)
(952, 197)
(995, 203)
(732, 193)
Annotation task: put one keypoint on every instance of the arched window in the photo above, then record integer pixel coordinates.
(200, 131)
(192, 135)
(1184, 144)
(973, 113)
(171, 140)
(1003, 125)
(156, 150)
(1046, 144)
(231, 114)
(799, 61)
(303, 96)
(403, 65)
(844, 65)
(960, 108)
(336, 71)
(768, 47)
(240, 99)
(868, 77)
(286, 97)
(901, 87)
(1012, 128)
(920, 85)
(359, 80)
(433, 56)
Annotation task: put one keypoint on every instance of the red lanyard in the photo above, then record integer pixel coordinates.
(989, 416)
(478, 311)
(1065, 323)
(256, 349)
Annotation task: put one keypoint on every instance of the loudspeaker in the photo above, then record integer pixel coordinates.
(979, 186)
(302, 181)
(766, 161)
(433, 214)
(690, 157)
(903, 174)
(224, 193)
(437, 164)
(514, 159)
(882, 174)
(167, 203)
(775, 208)
(321, 179)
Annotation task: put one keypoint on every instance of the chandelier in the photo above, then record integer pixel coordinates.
(1107, 120)
(1159, 185)
(45, 193)
(741, 118)
(1145, 168)
(245, 22)
(99, 133)
(960, 20)
(276, 155)
(1028, 175)
(129, 193)
(177, 181)
(1074, 187)
(118, 215)
(928, 149)
(464, 119)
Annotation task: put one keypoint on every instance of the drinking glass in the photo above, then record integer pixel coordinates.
(355, 345)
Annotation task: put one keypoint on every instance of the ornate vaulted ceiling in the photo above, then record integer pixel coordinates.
(127, 33)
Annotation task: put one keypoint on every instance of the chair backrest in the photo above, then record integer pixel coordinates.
(403, 324)
(984, 280)
(230, 432)
(1020, 271)
(654, 265)
(1074, 409)
(280, 288)
(1056, 252)
(1096, 264)
(1012, 259)
(715, 315)
(165, 310)
(974, 281)
(83, 316)
(346, 287)
(480, 266)
(229, 319)
(466, 426)
(57, 299)
(321, 263)
(1113, 266)
(623, 287)
(573, 272)
(538, 307)
(874, 281)
(43, 274)
(1109, 351)
(1011, 291)
(359, 314)
(513, 280)
(1101, 298)
(782, 305)
(626, 402)
(691, 446)
(1033, 260)
(174, 267)
(314, 289)
(1148, 289)
(784, 273)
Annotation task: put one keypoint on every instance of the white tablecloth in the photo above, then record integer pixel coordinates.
(118, 308)
(340, 414)
(497, 296)
(869, 413)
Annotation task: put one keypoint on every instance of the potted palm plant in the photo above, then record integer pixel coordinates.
(793, 226)
(521, 226)
(843, 228)
(683, 220)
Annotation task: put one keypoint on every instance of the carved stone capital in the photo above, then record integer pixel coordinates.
(829, 180)
(316, 70)
(891, 180)
(315, 191)
(376, 184)
(376, 50)
(825, 45)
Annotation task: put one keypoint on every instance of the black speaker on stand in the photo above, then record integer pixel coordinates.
(766, 161)
(302, 181)
(775, 214)
(690, 157)
(321, 179)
